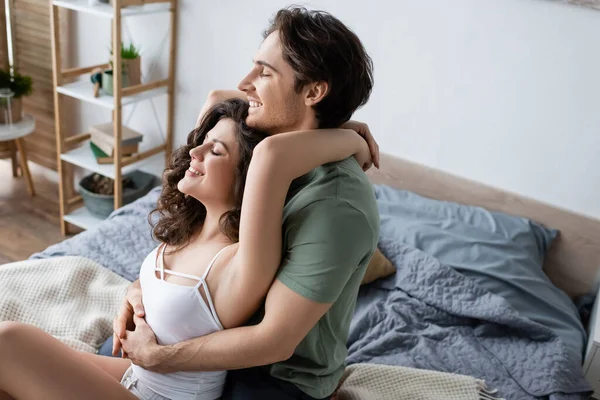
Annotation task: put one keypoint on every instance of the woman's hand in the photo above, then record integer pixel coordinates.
(363, 130)
(363, 156)
(124, 320)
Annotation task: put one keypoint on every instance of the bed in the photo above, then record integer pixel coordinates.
(442, 310)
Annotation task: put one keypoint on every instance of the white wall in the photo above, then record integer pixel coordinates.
(506, 92)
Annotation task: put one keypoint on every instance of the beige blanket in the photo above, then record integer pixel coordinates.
(385, 382)
(72, 298)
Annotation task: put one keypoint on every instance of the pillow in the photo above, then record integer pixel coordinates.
(379, 267)
(502, 253)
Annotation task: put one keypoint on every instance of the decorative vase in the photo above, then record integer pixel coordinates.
(133, 69)
(107, 81)
(10, 107)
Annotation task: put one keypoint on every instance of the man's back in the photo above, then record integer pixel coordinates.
(330, 231)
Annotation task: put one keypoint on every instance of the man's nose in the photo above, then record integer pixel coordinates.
(245, 84)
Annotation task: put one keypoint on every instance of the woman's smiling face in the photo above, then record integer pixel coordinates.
(212, 171)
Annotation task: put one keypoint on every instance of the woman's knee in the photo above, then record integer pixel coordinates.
(11, 332)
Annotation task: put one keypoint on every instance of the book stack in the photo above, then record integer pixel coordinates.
(103, 141)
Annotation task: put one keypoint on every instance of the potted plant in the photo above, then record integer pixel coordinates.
(131, 65)
(17, 86)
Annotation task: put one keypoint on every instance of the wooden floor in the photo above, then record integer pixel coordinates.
(27, 224)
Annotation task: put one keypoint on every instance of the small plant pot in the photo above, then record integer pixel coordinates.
(107, 81)
(133, 69)
(11, 110)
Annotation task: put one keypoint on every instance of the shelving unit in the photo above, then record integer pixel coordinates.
(74, 150)
(107, 11)
(81, 90)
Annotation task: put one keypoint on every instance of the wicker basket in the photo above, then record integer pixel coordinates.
(101, 205)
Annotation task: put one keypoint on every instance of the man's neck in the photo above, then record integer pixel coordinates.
(303, 126)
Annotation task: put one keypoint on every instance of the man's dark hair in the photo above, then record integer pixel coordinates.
(319, 47)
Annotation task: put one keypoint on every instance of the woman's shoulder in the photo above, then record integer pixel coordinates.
(153, 253)
(150, 259)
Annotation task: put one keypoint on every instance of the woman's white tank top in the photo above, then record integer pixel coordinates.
(177, 313)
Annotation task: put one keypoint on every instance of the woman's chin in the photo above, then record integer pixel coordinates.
(185, 188)
(181, 186)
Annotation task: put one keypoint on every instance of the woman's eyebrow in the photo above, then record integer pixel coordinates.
(220, 142)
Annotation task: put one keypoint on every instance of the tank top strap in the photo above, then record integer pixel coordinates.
(159, 264)
(161, 267)
(212, 262)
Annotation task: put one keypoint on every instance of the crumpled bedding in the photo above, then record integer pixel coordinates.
(72, 298)
(429, 316)
(425, 316)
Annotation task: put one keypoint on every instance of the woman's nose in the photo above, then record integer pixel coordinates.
(196, 153)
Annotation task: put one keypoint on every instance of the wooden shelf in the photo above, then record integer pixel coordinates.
(83, 90)
(82, 218)
(83, 157)
(107, 11)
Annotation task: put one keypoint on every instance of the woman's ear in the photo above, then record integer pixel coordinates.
(315, 92)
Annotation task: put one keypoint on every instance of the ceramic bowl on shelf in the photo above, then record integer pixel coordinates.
(101, 205)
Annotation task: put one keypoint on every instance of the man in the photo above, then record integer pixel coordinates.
(310, 72)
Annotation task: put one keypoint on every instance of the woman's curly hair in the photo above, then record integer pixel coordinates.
(182, 216)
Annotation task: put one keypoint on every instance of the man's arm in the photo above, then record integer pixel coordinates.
(327, 248)
(288, 319)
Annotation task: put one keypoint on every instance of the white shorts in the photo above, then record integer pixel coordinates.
(141, 391)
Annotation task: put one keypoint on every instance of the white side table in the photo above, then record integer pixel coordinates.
(16, 132)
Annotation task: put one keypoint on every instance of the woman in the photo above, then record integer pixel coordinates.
(217, 259)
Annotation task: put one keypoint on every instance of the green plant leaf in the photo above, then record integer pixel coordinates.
(128, 52)
(20, 85)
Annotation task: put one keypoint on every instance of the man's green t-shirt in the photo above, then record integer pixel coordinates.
(330, 232)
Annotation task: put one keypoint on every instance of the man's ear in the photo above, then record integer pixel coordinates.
(315, 92)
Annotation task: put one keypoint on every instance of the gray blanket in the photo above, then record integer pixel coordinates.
(426, 316)
(429, 316)
(120, 243)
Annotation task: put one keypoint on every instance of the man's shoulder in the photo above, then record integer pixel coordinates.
(335, 188)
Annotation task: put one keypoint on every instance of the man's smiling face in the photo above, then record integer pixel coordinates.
(275, 106)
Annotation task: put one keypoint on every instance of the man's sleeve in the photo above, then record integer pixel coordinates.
(325, 243)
